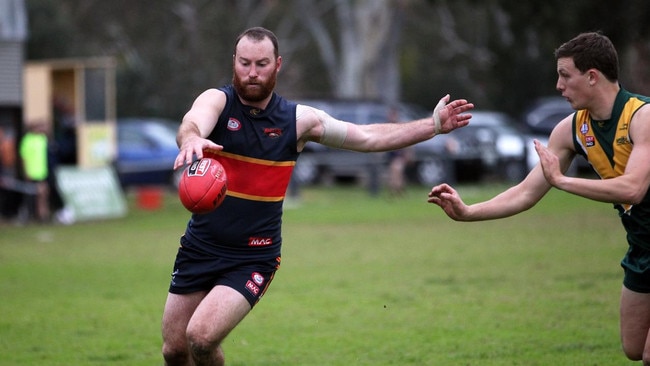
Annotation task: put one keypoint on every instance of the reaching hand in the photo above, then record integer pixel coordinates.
(194, 147)
(449, 200)
(448, 117)
(549, 162)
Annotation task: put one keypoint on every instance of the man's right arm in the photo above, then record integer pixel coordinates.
(197, 125)
(516, 199)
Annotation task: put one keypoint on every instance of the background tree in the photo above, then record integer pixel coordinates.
(359, 47)
(498, 53)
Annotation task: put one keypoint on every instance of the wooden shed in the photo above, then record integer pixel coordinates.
(75, 97)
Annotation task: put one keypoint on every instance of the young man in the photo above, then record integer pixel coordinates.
(228, 257)
(611, 128)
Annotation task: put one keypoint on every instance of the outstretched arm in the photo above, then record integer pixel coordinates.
(516, 199)
(316, 125)
(508, 203)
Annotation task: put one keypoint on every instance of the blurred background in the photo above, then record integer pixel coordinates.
(112, 79)
(498, 53)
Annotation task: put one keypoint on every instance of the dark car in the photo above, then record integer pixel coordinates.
(146, 152)
(321, 164)
(540, 118)
(491, 145)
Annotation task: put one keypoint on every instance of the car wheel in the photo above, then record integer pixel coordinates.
(433, 170)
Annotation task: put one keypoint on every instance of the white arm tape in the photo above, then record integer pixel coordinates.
(334, 131)
(436, 116)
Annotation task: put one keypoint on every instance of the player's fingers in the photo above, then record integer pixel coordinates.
(435, 191)
(180, 160)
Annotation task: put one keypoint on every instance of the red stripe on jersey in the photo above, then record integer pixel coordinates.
(256, 179)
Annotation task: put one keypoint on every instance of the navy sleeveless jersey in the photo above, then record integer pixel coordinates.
(259, 153)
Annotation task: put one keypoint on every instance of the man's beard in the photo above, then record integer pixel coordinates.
(256, 94)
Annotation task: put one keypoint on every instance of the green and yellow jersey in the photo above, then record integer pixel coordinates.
(607, 146)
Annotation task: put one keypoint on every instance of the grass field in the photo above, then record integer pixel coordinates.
(364, 281)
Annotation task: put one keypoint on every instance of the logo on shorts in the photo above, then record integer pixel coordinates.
(252, 288)
(257, 278)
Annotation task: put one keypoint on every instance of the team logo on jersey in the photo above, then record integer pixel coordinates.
(233, 124)
(273, 132)
(622, 140)
(257, 278)
(252, 288)
(255, 111)
(584, 128)
(590, 141)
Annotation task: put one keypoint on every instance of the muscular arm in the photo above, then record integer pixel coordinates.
(197, 124)
(516, 199)
(318, 126)
(630, 187)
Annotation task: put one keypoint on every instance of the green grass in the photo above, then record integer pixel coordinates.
(364, 281)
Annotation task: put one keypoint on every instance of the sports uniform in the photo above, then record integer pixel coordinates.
(239, 244)
(607, 147)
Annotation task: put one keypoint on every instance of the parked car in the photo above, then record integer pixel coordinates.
(491, 145)
(540, 118)
(146, 152)
(321, 164)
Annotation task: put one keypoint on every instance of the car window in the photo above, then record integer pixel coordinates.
(132, 138)
(549, 121)
(164, 134)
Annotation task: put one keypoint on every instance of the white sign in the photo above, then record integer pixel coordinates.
(91, 193)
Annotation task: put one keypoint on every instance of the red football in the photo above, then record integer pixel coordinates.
(203, 186)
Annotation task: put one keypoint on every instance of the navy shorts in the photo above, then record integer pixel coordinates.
(636, 265)
(196, 271)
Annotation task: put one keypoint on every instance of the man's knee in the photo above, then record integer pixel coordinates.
(200, 345)
(205, 350)
(175, 354)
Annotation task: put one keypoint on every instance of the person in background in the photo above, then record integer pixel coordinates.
(397, 162)
(611, 129)
(228, 257)
(34, 156)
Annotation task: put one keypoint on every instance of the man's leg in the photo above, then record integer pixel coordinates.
(635, 323)
(218, 314)
(177, 314)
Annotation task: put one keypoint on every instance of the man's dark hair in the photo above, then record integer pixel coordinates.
(258, 34)
(591, 50)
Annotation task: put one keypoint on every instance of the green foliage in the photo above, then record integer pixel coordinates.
(364, 281)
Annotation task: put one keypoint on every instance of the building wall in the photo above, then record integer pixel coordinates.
(11, 73)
